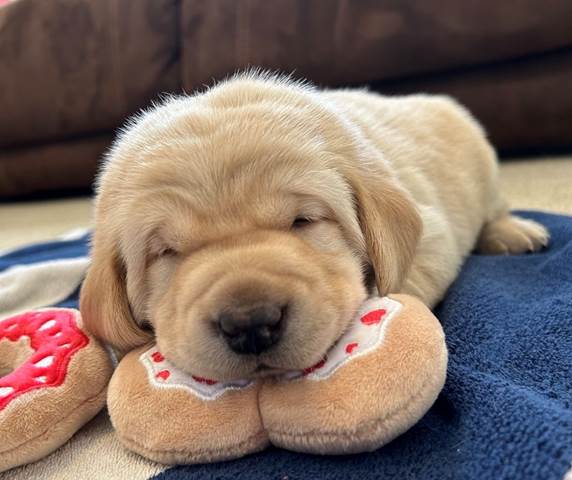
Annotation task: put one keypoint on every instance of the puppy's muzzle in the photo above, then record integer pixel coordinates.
(252, 329)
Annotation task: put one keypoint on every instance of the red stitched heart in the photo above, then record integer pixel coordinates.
(318, 365)
(373, 317)
(157, 357)
(163, 374)
(350, 347)
(204, 380)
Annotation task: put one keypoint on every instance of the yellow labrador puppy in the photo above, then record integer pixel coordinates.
(242, 227)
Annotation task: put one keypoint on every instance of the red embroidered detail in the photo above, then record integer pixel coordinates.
(54, 337)
(373, 317)
(318, 365)
(350, 347)
(163, 374)
(204, 380)
(157, 357)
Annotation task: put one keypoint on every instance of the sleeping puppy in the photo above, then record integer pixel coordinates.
(242, 227)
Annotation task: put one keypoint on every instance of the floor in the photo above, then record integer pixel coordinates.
(538, 184)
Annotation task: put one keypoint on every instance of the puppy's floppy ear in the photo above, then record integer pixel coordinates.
(104, 304)
(391, 226)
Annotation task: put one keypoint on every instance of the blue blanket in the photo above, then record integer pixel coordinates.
(506, 409)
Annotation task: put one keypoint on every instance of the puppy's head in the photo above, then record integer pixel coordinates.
(240, 229)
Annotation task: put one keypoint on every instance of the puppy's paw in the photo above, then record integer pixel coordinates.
(510, 234)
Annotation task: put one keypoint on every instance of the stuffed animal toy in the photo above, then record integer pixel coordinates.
(375, 383)
(53, 379)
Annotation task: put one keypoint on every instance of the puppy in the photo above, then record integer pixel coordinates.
(242, 227)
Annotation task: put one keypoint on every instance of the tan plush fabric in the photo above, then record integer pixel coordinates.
(369, 401)
(365, 403)
(173, 426)
(38, 422)
(13, 354)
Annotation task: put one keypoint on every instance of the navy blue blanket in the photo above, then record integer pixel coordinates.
(506, 409)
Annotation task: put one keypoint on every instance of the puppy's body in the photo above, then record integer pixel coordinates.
(439, 154)
(264, 192)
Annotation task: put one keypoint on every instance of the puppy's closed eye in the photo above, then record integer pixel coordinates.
(301, 222)
(167, 252)
(160, 246)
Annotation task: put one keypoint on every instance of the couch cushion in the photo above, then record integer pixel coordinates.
(70, 67)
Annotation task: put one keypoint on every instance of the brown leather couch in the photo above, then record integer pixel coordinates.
(71, 71)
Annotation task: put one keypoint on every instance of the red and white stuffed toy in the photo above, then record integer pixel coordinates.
(53, 379)
(375, 383)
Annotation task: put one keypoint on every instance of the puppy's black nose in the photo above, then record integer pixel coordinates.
(252, 330)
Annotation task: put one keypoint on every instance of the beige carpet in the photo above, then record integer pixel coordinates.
(540, 184)
(27, 222)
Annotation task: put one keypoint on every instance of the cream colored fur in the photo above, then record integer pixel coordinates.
(197, 204)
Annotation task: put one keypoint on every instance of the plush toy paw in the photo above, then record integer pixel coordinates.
(53, 379)
(376, 382)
